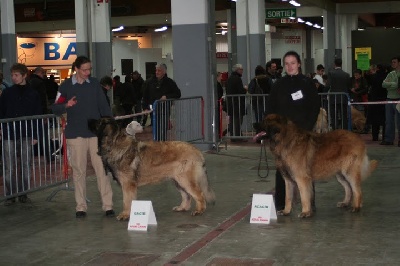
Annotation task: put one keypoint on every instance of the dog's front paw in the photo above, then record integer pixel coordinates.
(305, 214)
(194, 213)
(179, 209)
(123, 216)
(355, 209)
(283, 213)
(342, 204)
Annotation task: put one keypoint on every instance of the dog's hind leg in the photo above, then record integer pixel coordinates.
(306, 193)
(355, 184)
(347, 191)
(186, 199)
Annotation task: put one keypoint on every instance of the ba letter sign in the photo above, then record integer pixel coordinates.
(52, 51)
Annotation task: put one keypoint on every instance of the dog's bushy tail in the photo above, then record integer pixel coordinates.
(368, 167)
(206, 189)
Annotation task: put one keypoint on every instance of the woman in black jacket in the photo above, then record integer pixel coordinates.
(295, 97)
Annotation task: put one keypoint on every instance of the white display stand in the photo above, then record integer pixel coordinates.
(142, 215)
(262, 209)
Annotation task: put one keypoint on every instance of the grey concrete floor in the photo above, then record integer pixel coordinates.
(47, 233)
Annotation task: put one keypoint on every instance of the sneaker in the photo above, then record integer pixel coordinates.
(9, 202)
(110, 213)
(80, 214)
(23, 198)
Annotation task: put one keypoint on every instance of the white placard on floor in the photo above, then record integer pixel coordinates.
(262, 209)
(142, 215)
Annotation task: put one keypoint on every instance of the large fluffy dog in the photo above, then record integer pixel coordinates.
(135, 163)
(304, 156)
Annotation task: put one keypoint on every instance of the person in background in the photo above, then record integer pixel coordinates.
(295, 97)
(260, 84)
(160, 87)
(271, 68)
(51, 89)
(319, 73)
(106, 83)
(339, 82)
(128, 98)
(3, 83)
(391, 83)
(117, 96)
(38, 83)
(82, 98)
(220, 94)
(137, 82)
(18, 138)
(236, 105)
(376, 112)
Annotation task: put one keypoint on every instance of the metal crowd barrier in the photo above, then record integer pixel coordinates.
(238, 113)
(178, 119)
(26, 166)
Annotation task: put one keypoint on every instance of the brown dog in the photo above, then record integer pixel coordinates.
(135, 163)
(358, 119)
(304, 156)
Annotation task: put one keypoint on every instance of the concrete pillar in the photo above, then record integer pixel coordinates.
(193, 42)
(93, 34)
(8, 38)
(347, 23)
(232, 36)
(308, 59)
(250, 36)
(329, 39)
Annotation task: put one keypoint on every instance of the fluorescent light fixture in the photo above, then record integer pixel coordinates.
(316, 26)
(309, 23)
(118, 29)
(224, 32)
(294, 3)
(360, 29)
(292, 17)
(161, 29)
(300, 20)
(322, 28)
(233, 0)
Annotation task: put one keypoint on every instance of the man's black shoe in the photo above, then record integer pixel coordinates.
(386, 143)
(9, 202)
(110, 213)
(80, 214)
(23, 198)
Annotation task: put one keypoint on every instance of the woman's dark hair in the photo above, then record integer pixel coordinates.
(80, 60)
(18, 67)
(357, 71)
(259, 70)
(106, 80)
(293, 53)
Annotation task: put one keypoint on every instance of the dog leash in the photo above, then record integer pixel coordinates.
(263, 153)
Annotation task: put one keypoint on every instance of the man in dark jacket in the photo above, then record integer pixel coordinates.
(38, 83)
(236, 104)
(160, 88)
(137, 82)
(18, 137)
(339, 81)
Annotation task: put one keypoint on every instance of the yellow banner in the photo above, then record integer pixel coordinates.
(363, 50)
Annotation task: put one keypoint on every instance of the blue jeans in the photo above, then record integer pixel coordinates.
(392, 118)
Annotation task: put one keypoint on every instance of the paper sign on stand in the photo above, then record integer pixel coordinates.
(142, 215)
(262, 209)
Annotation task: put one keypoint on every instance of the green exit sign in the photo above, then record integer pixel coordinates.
(280, 13)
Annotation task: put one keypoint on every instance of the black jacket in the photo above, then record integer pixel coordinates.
(154, 89)
(296, 98)
(234, 86)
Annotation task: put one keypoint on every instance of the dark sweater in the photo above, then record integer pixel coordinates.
(91, 104)
(296, 98)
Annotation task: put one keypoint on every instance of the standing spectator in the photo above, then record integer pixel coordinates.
(82, 98)
(220, 93)
(339, 81)
(260, 84)
(106, 83)
(160, 87)
(3, 84)
(319, 74)
(128, 98)
(118, 92)
(295, 97)
(376, 112)
(51, 89)
(37, 82)
(236, 105)
(17, 101)
(391, 83)
(271, 68)
(359, 93)
(137, 82)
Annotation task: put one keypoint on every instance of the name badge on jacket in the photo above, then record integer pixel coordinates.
(297, 95)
